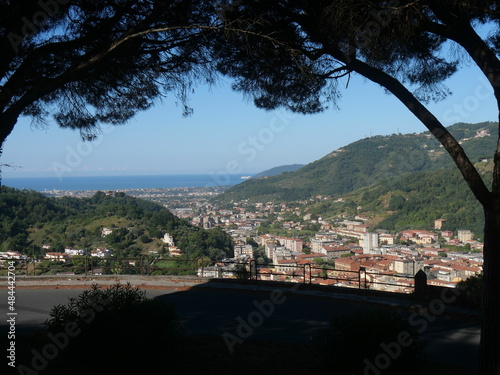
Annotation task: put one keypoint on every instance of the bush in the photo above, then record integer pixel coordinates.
(122, 331)
(241, 271)
(145, 238)
(355, 343)
(472, 291)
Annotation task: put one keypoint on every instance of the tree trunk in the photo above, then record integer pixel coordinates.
(1, 151)
(8, 120)
(489, 362)
(7, 123)
(490, 330)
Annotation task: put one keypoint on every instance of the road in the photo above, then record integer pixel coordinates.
(265, 314)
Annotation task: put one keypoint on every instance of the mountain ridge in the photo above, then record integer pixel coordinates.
(366, 162)
(278, 170)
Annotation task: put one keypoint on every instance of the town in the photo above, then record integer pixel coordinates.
(283, 242)
(343, 251)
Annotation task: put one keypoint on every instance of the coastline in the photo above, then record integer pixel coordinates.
(126, 182)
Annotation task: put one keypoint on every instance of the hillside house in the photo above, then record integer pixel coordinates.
(53, 257)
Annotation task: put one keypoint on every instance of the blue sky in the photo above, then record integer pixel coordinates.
(227, 134)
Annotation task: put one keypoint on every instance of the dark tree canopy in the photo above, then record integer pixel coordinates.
(91, 62)
(295, 52)
(88, 62)
(313, 43)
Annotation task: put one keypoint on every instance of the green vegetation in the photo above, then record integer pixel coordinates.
(279, 170)
(398, 181)
(29, 220)
(175, 267)
(410, 201)
(417, 199)
(363, 163)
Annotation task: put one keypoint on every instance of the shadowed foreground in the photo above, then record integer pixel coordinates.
(244, 331)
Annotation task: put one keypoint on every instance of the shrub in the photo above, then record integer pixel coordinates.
(122, 331)
(472, 291)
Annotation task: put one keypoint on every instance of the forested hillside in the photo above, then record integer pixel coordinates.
(29, 220)
(278, 170)
(412, 201)
(366, 162)
(416, 200)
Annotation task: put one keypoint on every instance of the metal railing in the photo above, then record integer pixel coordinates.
(249, 270)
(144, 266)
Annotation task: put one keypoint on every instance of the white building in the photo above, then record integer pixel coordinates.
(106, 231)
(318, 244)
(389, 239)
(101, 253)
(52, 256)
(292, 244)
(465, 235)
(370, 243)
(11, 255)
(72, 252)
(212, 272)
(168, 239)
(408, 266)
(271, 244)
(281, 253)
(243, 250)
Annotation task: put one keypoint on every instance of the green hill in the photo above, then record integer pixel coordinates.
(278, 170)
(411, 201)
(415, 200)
(29, 220)
(366, 162)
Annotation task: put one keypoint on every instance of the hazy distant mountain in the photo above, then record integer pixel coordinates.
(279, 170)
(366, 162)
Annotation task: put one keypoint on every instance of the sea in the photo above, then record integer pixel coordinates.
(124, 182)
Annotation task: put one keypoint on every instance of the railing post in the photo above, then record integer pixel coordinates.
(420, 283)
(252, 261)
(28, 261)
(362, 269)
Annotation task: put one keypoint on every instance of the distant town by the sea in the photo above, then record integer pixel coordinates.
(124, 182)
